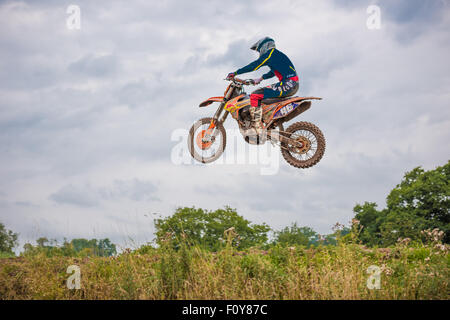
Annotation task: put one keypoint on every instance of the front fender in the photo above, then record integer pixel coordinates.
(210, 100)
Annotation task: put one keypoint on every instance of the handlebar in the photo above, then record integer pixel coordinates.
(244, 82)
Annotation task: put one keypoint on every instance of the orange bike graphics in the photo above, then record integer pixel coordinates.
(233, 105)
(269, 110)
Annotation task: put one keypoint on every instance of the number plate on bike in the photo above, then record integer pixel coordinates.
(285, 110)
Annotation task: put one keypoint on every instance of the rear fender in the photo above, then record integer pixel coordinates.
(290, 108)
(210, 100)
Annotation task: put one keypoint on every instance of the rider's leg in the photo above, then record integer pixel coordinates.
(289, 87)
(256, 109)
(280, 89)
(256, 113)
(256, 97)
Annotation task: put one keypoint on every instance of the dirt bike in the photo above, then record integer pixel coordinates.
(302, 143)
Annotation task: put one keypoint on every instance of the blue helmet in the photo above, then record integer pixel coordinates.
(263, 45)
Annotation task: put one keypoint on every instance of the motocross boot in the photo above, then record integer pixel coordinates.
(256, 113)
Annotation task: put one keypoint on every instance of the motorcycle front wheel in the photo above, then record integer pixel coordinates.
(202, 147)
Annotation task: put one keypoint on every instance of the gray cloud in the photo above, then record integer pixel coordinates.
(135, 189)
(90, 65)
(88, 196)
(78, 196)
(84, 112)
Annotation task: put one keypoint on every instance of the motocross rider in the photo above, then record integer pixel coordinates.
(280, 66)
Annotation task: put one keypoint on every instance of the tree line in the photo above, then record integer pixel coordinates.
(420, 203)
(75, 248)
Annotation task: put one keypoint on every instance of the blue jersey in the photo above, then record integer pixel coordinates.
(277, 61)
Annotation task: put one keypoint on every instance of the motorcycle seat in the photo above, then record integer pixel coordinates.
(273, 100)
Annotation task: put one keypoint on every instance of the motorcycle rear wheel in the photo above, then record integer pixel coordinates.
(305, 145)
(197, 147)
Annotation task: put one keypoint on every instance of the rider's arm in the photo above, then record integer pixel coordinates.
(255, 65)
(268, 75)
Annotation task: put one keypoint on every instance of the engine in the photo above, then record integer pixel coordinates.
(245, 123)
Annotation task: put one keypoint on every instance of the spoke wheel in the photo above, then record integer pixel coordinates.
(206, 144)
(304, 145)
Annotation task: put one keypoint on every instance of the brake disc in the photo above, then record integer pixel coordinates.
(301, 145)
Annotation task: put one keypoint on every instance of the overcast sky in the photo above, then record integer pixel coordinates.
(87, 116)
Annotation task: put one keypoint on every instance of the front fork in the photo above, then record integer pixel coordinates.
(212, 126)
(210, 131)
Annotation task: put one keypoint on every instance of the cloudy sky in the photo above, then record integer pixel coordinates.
(89, 117)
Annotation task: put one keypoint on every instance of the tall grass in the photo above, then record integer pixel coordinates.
(408, 271)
